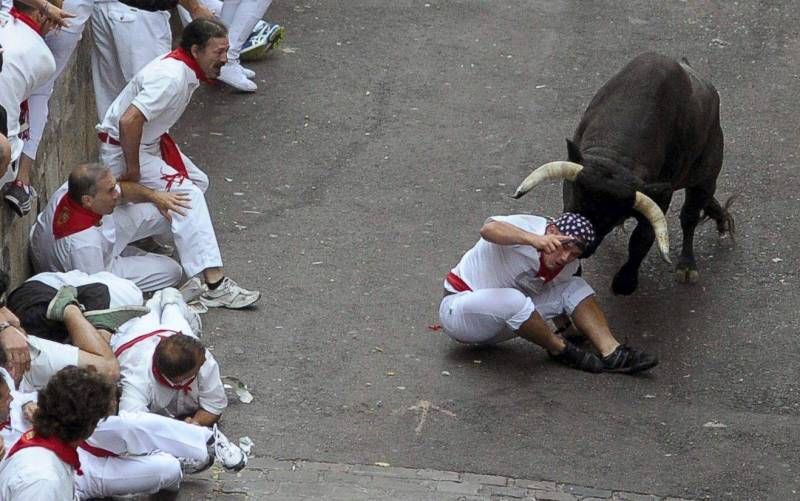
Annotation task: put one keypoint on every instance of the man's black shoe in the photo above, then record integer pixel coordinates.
(628, 360)
(578, 358)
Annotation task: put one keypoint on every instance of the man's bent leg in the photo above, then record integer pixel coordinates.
(591, 322)
(150, 272)
(119, 476)
(485, 316)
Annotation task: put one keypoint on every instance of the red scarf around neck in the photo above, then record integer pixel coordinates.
(191, 62)
(25, 18)
(545, 273)
(70, 217)
(186, 387)
(65, 452)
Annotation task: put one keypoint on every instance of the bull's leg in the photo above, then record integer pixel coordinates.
(721, 216)
(627, 278)
(697, 198)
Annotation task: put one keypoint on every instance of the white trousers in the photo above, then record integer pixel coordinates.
(193, 233)
(490, 316)
(125, 40)
(62, 44)
(150, 272)
(152, 444)
(241, 16)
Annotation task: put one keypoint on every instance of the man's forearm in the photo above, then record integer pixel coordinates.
(502, 233)
(205, 418)
(135, 193)
(130, 138)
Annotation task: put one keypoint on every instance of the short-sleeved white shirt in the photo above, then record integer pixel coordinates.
(161, 91)
(492, 266)
(36, 473)
(27, 64)
(47, 358)
(141, 391)
(90, 250)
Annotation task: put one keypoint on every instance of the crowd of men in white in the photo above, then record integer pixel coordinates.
(105, 387)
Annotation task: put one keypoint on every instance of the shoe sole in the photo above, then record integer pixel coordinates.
(124, 313)
(52, 305)
(18, 208)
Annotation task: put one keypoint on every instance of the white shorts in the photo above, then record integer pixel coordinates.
(47, 358)
(490, 316)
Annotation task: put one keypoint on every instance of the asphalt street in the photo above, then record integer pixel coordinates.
(383, 134)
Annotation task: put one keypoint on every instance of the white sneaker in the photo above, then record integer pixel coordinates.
(229, 455)
(192, 289)
(248, 72)
(229, 295)
(193, 466)
(171, 295)
(233, 75)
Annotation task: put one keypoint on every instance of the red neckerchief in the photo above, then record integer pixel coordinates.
(97, 451)
(545, 273)
(119, 351)
(172, 156)
(456, 282)
(70, 217)
(187, 59)
(186, 387)
(27, 20)
(65, 453)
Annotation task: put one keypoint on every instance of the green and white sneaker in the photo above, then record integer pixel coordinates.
(65, 296)
(111, 319)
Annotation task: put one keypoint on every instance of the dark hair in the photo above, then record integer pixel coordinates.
(3, 360)
(3, 282)
(178, 354)
(83, 180)
(200, 31)
(72, 403)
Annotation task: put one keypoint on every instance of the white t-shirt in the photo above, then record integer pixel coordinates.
(90, 250)
(36, 473)
(47, 358)
(492, 266)
(161, 91)
(27, 64)
(122, 292)
(141, 392)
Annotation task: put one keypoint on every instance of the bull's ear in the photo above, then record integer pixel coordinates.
(660, 192)
(574, 153)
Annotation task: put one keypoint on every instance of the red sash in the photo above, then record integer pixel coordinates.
(172, 156)
(96, 451)
(119, 351)
(26, 19)
(185, 387)
(64, 452)
(70, 217)
(456, 282)
(546, 274)
(187, 59)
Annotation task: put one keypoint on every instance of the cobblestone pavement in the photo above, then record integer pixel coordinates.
(272, 479)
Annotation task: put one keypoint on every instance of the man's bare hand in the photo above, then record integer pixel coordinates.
(168, 202)
(29, 409)
(201, 12)
(550, 243)
(192, 420)
(56, 15)
(15, 345)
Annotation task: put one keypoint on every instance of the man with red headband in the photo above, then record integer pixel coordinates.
(27, 64)
(164, 368)
(522, 273)
(137, 148)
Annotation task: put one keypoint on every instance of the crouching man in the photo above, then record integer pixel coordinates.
(522, 273)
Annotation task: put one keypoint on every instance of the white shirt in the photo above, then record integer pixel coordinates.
(492, 266)
(36, 473)
(161, 91)
(141, 392)
(122, 292)
(90, 250)
(27, 64)
(47, 358)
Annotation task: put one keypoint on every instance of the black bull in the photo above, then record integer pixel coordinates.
(652, 129)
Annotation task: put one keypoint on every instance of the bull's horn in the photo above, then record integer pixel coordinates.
(552, 170)
(649, 209)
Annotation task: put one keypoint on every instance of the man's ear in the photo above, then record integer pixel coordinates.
(574, 153)
(551, 229)
(86, 201)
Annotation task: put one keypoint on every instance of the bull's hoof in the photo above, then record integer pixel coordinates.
(686, 274)
(624, 284)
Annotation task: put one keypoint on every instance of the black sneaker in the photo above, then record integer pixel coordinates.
(19, 197)
(577, 358)
(628, 360)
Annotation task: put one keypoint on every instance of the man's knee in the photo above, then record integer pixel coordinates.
(169, 470)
